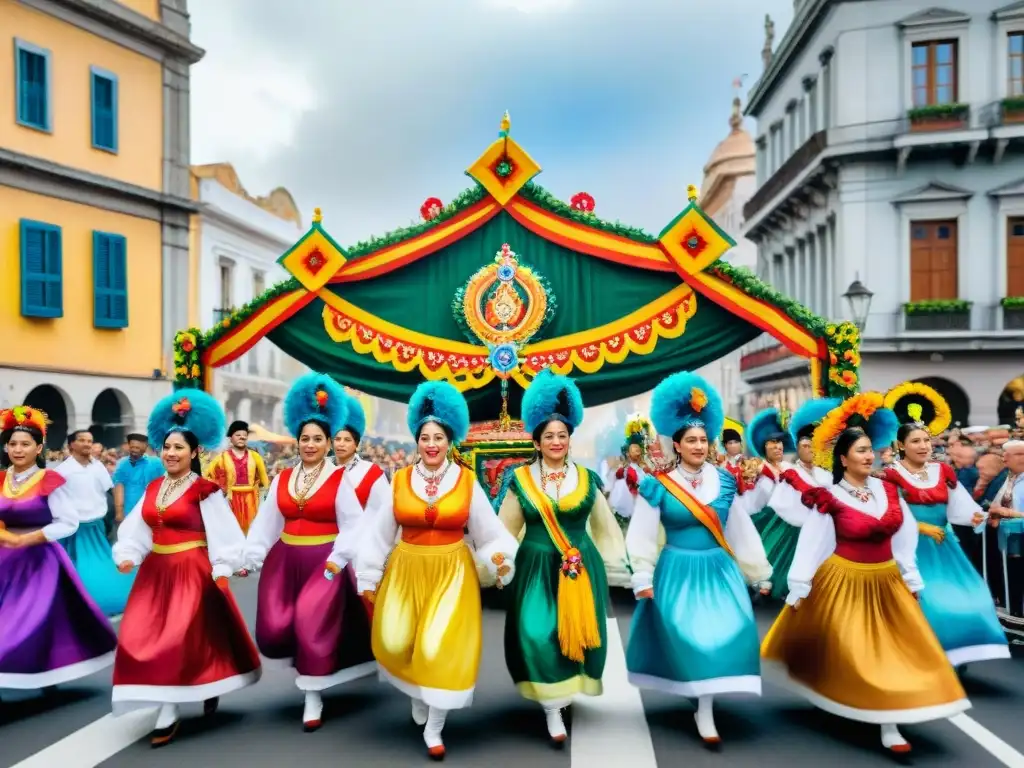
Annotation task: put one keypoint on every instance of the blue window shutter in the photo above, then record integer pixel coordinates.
(103, 90)
(33, 83)
(42, 293)
(110, 280)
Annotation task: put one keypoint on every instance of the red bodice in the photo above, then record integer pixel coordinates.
(860, 537)
(366, 484)
(182, 521)
(317, 515)
(939, 494)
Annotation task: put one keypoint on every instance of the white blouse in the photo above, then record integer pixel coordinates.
(620, 498)
(643, 537)
(62, 508)
(785, 499)
(487, 536)
(960, 508)
(817, 541)
(225, 542)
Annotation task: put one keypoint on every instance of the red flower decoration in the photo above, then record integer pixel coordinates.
(321, 398)
(694, 244)
(314, 261)
(182, 407)
(583, 202)
(431, 208)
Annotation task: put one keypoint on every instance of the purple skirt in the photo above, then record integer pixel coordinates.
(53, 632)
(318, 625)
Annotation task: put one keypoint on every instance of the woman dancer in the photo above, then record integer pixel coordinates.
(957, 601)
(779, 524)
(427, 622)
(182, 637)
(693, 633)
(52, 630)
(857, 645)
(635, 467)
(555, 630)
(366, 478)
(769, 439)
(308, 614)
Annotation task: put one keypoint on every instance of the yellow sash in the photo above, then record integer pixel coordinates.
(934, 532)
(705, 514)
(578, 630)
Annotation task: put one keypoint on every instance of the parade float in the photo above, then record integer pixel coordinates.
(505, 280)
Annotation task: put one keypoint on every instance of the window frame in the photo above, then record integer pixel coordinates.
(114, 323)
(931, 68)
(933, 223)
(44, 311)
(924, 211)
(1005, 28)
(95, 73)
(945, 32)
(24, 46)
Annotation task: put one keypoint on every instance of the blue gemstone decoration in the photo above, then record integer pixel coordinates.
(504, 357)
(506, 272)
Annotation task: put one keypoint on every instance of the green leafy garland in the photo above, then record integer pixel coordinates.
(188, 369)
(539, 196)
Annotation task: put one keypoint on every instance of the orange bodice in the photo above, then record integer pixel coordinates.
(444, 521)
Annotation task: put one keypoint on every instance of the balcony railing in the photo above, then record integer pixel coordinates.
(1002, 112)
(942, 117)
(797, 163)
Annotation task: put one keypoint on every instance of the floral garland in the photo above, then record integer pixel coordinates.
(244, 313)
(843, 342)
(838, 419)
(583, 202)
(188, 369)
(540, 197)
(431, 208)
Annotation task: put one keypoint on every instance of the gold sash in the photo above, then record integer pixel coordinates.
(704, 513)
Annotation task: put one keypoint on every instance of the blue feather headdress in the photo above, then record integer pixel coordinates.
(551, 397)
(355, 421)
(809, 415)
(315, 397)
(685, 399)
(187, 410)
(769, 424)
(442, 403)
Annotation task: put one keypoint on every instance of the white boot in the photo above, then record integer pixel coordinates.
(556, 727)
(432, 732)
(705, 718)
(893, 740)
(419, 712)
(313, 712)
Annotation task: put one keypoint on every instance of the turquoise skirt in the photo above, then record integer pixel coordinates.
(90, 552)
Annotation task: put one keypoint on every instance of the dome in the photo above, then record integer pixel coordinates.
(734, 156)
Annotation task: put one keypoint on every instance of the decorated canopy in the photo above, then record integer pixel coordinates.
(506, 280)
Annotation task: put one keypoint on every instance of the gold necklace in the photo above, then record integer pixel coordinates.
(17, 487)
(921, 474)
(308, 481)
(555, 477)
(167, 489)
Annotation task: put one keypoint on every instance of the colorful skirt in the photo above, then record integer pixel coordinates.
(428, 624)
(182, 636)
(52, 630)
(779, 539)
(532, 652)
(317, 625)
(957, 603)
(90, 552)
(860, 647)
(697, 636)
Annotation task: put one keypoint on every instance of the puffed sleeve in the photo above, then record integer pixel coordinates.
(349, 513)
(265, 529)
(134, 537)
(785, 499)
(606, 533)
(756, 499)
(904, 550)
(815, 545)
(225, 541)
(642, 542)
(745, 541)
(961, 508)
(379, 532)
(489, 535)
(62, 510)
(511, 515)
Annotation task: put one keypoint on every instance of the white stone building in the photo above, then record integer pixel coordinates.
(889, 150)
(237, 240)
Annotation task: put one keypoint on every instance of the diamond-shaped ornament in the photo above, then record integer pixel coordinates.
(693, 241)
(504, 167)
(315, 259)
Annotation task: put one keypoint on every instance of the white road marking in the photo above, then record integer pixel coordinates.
(992, 744)
(95, 743)
(612, 727)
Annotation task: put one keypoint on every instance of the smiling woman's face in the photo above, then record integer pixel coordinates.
(432, 445)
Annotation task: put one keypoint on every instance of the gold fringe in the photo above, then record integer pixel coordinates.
(578, 631)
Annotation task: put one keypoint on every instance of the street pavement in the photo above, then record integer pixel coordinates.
(367, 724)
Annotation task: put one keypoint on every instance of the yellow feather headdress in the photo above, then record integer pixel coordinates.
(917, 403)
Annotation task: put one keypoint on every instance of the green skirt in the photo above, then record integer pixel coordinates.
(532, 653)
(779, 539)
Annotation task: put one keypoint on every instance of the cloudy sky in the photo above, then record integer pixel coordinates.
(368, 108)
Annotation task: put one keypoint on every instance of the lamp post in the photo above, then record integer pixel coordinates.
(858, 298)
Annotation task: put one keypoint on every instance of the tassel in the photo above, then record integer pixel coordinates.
(578, 630)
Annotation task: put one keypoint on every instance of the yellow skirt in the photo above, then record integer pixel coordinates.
(427, 623)
(860, 648)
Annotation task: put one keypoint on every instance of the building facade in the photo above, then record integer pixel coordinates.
(889, 151)
(727, 186)
(236, 241)
(94, 207)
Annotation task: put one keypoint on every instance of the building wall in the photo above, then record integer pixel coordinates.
(148, 8)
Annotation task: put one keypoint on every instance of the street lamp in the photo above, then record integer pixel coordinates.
(858, 298)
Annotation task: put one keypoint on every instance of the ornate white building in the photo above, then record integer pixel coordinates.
(236, 241)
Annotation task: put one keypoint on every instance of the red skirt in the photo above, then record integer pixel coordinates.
(182, 636)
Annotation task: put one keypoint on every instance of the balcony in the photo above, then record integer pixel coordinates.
(941, 117)
(946, 326)
(797, 163)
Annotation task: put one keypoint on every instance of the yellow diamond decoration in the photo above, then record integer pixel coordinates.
(489, 172)
(315, 259)
(693, 241)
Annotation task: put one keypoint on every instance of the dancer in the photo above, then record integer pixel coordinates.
(769, 440)
(857, 645)
(693, 633)
(779, 524)
(88, 483)
(241, 474)
(635, 466)
(52, 630)
(555, 627)
(957, 601)
(366, 478)
(427, 622)
(308, 613)
(182, 637)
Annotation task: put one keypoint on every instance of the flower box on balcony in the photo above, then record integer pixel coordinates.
(940, 117)
(1013, 110)
(942, 315)
(1013, 313)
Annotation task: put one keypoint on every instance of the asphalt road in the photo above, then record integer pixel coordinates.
(368, 724)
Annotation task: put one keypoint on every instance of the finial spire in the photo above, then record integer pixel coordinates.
(317, 216)
(736, 118)
(506, 125)
(691, 193)
(769, 41)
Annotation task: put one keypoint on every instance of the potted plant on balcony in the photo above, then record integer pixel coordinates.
(1013, 313)
(1013, 109)
(938, 315)
(938, 117)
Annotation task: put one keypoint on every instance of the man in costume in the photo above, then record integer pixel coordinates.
(241, 474)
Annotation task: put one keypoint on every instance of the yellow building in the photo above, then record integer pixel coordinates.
(94, 207)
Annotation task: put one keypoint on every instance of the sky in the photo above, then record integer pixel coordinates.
(365, 109)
